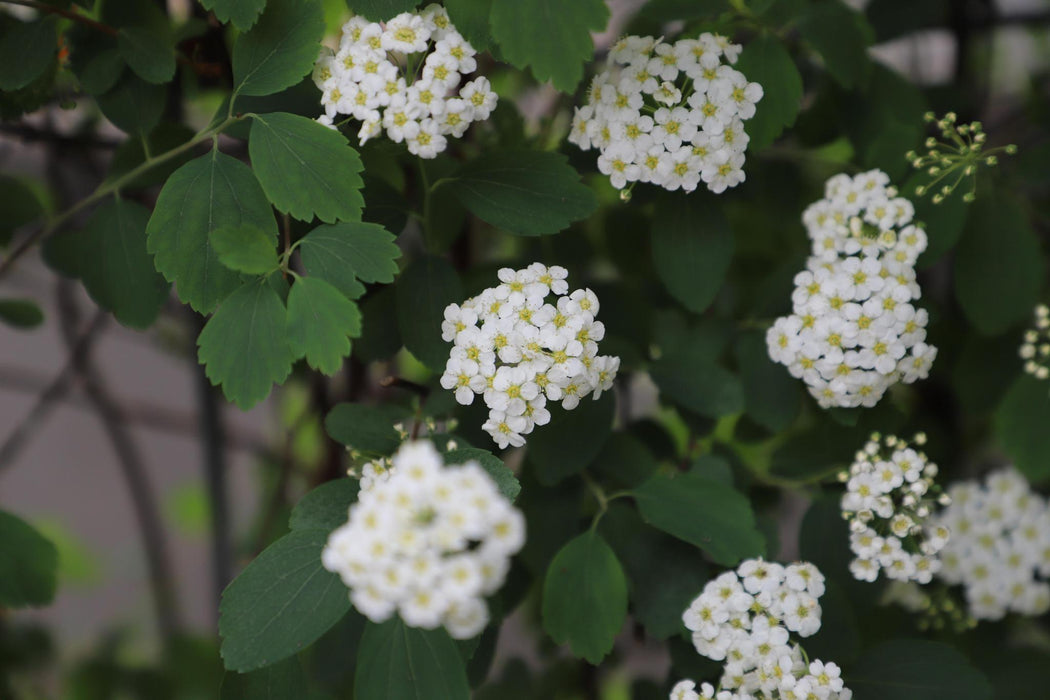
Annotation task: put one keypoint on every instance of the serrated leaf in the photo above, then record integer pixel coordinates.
(207, 193)
(529, 193)
(703, 512)
(365, 428)
(1021, 426)
(21, 313)
(343, 253)
(501, 474)
(244, 248)
(572, 439)
(326, 507)
(305, 168)
(425, 288)
(321, 322)
(692, 246)
(585, 597)
(551, 37)
(841, 36)
(280, 603)
(381, 10)
(26, 51)
(280, 49)
(149, 51)
(241, 13)
(279, 681)
(765, 61)
(133, 105)
(913, 669)
(244, 346)
(28, 563)
(408, 663)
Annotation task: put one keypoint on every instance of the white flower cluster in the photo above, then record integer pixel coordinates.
(1035, 350)
(518, 350)
(888, 502)
(428, 542)
(855, 330)
(745, 619)
(404, 78)
(669, 114)
(1000, 544)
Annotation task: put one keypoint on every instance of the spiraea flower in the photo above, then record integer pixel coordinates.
(404, 78)
(855, 329)
(427, 542)
(889, 502)
(1035, 350)
(518, 348)
(669, 114)
(746, 619)
(1000, 545)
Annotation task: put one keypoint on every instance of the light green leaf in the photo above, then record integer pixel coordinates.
(551, 37)
(913, 669)
(207, 193)
(321, 322)
(692, 246)
(280, 603)
(326, 507)
(585, 597)
(343, 253)
(765, 61)
(771, 395)
(149, 51)
(26, 50)
(241, 13)
(280, 49)
(841, 36)
(471, 18)
(1021, 426)
(505, 480)
(381, 10)
(244, 346)
(704, 512)
(365, 428)
(28, 564)
(408, 663)
(572, 439)
(133, 105)
(244, 248)
(998, 265)
(425, 288)
(21, 313)
(529, 193)
(280, 681)
(305, 168)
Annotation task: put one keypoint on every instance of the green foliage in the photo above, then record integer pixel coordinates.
(321, 322)
(772, 397)
(26, 51)
(1020, 426)
(398, 661)
(425, 288)
(278, 681)
(149, 52)
(279, 49)
(911, 669)
(366, 428)
(471, 18)
(244, 248)
(572, 439)
(343, 253)
(21, 313)
(500, 473)
(133, 105)
(242, 14)
(767, 62)
(28, 562)
(381, 10)
(326, 507)
(841, 36)
(692, 247)
(306, 169)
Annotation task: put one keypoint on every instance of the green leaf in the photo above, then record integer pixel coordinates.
(381, 10)
(765, 61)
(94, 59)
(133, 105)
(704, 512)
(841, 36)
(280, 603)
(244, 248)
(624, 460)
(365, 428)
(207, 193)
(572, 439)
(771, 395)
(110, 257)
(408, 663)
(133, 153)
(305, 168)
(692, 247)
(244, 346)
(501, 474)
(21, 313)
(943, 222)
(585, 597)
(998, 265)
(326, 507)
(343, 253)
(149, 51)
(528, 193)
(321, 322)
(20, 204)
(698, 384)
(552, 37)
(471, 18)
(241, 13)
(28, 562)
(1021, 426)
(280, 49)
(425, 288)
(280, 681)
(912, 669)
(26, 51)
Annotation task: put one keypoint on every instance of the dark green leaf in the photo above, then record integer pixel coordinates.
(765, 61)
(912, 669)
(94, 59)
(572, 439)
(326, 507)
(280, 603)
(841, 36)
(624, 460)
(700, 386)
(280, 49)
(529, 193)
(244, 347)
(343, 253)
(26, 50)
(381, 10)
(408, 663)
(771, 395)
(209, 192)
(244, 248)
(28, 562)
(133, 105)
(707, 513)
(305, 168)
(380, 337)
(241, 13)
(280, 681)
(944, 222)
(1021, 426)
(500, 473)
(692, 247)
(149, 51)
(21, 313)
(131, 154)
(19, 205)
(585, 597)
(552, 37)
(365, 428)
(321, 322)
(425, 288)
(471, 18)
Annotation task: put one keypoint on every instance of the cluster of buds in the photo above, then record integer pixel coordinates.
(1035, 350)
